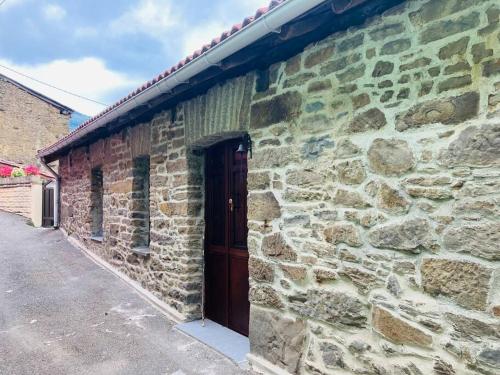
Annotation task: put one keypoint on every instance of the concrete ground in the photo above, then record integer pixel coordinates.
(60, 313)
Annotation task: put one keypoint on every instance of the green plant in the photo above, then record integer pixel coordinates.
(18, 172)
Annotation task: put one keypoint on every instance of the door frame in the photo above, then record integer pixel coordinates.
(48, 207)
(227, 248)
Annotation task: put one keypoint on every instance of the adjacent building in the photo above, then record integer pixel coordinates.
(29, 121)
(324, 177)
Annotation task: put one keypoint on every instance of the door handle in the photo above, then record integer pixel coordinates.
(231, 206)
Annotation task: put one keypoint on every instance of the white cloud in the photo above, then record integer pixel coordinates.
(193, 38)
(88, 77)
(53, 12)
(251, 6)
(151, 17)
(10, 4)
(196, 37)
(161, 20)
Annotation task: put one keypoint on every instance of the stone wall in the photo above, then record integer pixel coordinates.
(172, 271)
(374, 213)
(15, 195)
(374, 219)
(27, 124)
(23, 196)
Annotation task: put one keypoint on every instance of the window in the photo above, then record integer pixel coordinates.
(140, 202)
(97, 200)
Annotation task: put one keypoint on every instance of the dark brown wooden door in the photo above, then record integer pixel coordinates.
(226, 252)
(48, 208)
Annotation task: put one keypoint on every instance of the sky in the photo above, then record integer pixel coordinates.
(103, 49)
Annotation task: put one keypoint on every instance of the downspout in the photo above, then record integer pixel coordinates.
(56, 192)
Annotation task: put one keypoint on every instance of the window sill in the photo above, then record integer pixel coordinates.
(97, 238)
(141, 250)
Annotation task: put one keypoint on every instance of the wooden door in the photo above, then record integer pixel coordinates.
(226, 252)
(48, 207)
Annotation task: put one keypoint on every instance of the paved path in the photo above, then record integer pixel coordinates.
(60, 313)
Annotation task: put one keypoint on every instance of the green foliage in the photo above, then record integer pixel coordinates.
(18, 172)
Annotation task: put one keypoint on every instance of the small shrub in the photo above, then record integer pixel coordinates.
(17, 172)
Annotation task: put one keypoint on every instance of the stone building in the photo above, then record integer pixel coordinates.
(350, 155)
(29, 121)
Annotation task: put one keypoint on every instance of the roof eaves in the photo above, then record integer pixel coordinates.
(181, 64)
(237, 28)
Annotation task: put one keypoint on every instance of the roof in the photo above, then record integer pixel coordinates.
(37, 94)
(338, 7)
(205, 48)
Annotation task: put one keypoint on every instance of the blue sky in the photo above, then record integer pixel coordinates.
(102, 49)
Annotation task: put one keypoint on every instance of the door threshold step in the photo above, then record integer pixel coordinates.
(227, 342)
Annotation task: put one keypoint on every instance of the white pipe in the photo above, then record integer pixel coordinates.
(267, 23)
(56, 192)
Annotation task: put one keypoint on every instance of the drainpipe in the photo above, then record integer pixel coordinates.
(56, 192)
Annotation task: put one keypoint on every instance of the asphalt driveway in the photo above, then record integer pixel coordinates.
(60, 313)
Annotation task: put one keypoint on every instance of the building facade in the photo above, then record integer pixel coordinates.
(367, 183)
(29, 121)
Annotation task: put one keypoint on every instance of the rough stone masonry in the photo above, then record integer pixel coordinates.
(27, 123)
(374, 190)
